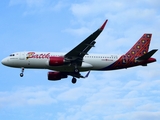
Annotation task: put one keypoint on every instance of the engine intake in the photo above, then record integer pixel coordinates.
(56, 76)
(56, 61)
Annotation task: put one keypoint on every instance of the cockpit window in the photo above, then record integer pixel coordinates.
(12, 55)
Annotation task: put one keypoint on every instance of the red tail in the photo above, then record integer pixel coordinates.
(137, 51)
(140, 48)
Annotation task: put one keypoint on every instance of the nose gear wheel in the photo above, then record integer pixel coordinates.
(21, 74)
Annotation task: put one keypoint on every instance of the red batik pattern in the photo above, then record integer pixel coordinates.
(129, 59)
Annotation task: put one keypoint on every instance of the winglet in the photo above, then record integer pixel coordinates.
(102, 27)
(87, 74)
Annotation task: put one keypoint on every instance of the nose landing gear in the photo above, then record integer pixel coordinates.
(21, 74)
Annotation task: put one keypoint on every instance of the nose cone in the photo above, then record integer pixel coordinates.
(4, 61)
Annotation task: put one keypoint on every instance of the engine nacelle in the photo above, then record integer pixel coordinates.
(56, 76)
(56, 61)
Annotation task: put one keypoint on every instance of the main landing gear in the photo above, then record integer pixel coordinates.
(76, 71)
(21, 74)
(74, 80)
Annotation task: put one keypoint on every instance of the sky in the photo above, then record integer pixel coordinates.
(58, 26)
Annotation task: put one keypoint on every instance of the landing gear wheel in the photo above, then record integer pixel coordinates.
(21, 74)
(74, 80)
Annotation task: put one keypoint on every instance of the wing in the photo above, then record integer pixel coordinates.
(77, 53)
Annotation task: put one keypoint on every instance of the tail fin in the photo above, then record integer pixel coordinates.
(141, 47)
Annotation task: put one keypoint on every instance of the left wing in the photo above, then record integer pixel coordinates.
(77, 53)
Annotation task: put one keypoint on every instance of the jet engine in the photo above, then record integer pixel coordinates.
(56, 61)
(56, 76)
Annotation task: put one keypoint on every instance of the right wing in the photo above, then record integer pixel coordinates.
(76, 54)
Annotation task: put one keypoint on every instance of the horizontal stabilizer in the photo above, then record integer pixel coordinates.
(147, 55)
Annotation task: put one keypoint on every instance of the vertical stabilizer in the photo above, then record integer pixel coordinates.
(141, 47)
(137, 55)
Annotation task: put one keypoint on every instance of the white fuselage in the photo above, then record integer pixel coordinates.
(39, 60)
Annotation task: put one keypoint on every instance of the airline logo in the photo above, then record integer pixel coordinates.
(37, 56)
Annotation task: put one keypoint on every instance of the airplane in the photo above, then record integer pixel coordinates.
(78, 60)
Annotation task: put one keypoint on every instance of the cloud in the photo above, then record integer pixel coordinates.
(26, 96)
(128, 21)
(113, 97)
(72, 94)
(28, 3)
(123, 94)
(95, 8)
(101, 96)
(38, 6)
(79, 31)
(147, 115)
(92, 8)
